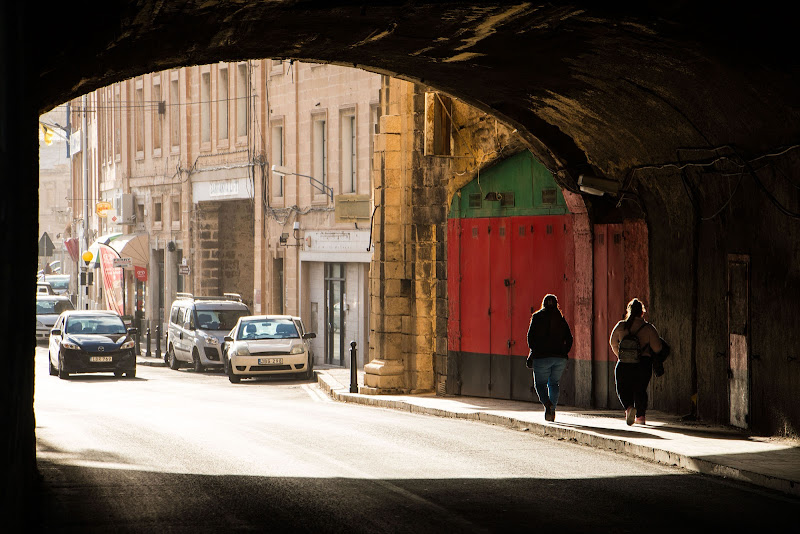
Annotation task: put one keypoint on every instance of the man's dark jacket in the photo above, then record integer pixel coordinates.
(549, 334)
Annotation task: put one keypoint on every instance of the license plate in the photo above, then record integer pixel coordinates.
(100, 359)
(270, 361)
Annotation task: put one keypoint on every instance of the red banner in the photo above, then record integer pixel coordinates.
(71, 245)
(141, 273)
(112, 278)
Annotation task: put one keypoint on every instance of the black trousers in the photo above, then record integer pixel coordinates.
(632, 381)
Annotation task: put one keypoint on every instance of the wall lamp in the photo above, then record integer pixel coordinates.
(283, 171)
(493, 196)
(595, 185)
(284, 238)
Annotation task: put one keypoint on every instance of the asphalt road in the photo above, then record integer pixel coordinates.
(176, 451)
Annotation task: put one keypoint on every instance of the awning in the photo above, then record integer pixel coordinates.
(95, 249)
(133, 246)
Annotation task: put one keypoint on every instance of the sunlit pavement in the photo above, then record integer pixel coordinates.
(723, 451)
(179, 451)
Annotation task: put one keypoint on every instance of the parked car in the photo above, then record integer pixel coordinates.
(268, 345)
(44, 288)
(48, 308)
(91, 341)
(59, 282)
(197, 328)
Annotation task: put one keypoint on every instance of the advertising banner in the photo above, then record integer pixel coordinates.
(112, 278)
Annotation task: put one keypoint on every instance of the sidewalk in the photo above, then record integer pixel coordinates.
(772, 463)
(768, 462)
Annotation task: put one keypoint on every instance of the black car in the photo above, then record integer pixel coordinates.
(91, 341)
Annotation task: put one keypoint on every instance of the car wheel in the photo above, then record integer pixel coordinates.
(53, 370)
(198, 366)
(131, 374)
(309, 374)
(173, 361)
(234, 378)
(62, 374)
(118, 374)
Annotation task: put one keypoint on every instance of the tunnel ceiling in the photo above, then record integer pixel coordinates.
(615, 87)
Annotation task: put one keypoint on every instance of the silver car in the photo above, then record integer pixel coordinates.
(262, 345)
(48, 308)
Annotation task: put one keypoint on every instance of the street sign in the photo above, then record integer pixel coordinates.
(125, 263)
(183, 269)
(46, 246)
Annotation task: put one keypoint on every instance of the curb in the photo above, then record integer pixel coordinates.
(670, 458)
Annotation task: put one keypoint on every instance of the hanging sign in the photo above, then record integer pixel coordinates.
(102, 208)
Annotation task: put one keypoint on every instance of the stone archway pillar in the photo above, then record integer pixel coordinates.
(390, 281)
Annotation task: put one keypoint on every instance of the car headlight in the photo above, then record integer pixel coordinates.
(211, 340)
(298, 349)
(70, 345)
(240, 350)
(128, 344)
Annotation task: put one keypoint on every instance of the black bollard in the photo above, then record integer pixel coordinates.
(158, 340)
(353, 368)
(148, 342)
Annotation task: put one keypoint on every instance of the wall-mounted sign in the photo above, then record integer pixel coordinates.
(183, 269)
(124, 263)
(102, 208)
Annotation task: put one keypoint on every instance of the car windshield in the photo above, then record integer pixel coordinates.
(59, 284)
(267, 329)
(95, 324)
(52, 307)
(218, 319)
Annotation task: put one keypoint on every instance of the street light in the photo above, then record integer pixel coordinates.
(283, 171)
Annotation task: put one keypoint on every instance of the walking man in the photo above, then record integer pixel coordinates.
(549, 340)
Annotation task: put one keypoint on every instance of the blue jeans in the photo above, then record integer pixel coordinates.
(546, 375)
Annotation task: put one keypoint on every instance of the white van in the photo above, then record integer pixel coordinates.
(197, 328)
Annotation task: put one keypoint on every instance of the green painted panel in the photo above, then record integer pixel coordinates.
(525, 186)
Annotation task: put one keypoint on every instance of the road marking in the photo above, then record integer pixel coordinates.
(315, 393)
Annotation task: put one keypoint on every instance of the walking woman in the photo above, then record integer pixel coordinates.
(549, 340)
(634, 342)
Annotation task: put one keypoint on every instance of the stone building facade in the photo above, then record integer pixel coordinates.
(186, 158)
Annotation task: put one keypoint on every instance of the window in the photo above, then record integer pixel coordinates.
(222, 104)
(242, 99)
(319, 163)
(438, 124)
(348, 157)
(157, 212)
(175, 211)
(277, 157)
(117, 121)
(174, 113)
(373, 129)
(109, 123)
(138, 101)
(158, 116)
(205, 107)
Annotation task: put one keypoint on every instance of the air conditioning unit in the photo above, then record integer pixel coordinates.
(124, 210)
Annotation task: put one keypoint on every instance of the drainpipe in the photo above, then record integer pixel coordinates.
(85, 159)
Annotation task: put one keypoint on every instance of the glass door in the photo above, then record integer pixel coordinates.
(334, 313)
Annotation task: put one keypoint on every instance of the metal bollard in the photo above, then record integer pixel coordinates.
(148, 342)
(158, 340)
(353, 368)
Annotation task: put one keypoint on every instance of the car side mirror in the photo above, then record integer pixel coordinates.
(228, 338)
(55, 332)
(132, 331)
(188, 326)
(309, 335)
